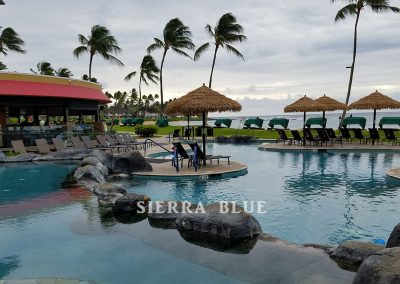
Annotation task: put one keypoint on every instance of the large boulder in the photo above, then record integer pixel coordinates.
(381, 268)
(130, 203)
(394, 238)
(236, 227)
(96, 163)
(110, 189)
(128, 163)
(106, 158)
(349, 255)
(89, 172)
(163, 214)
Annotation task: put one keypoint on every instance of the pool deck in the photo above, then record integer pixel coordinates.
(346, 147)
(165, 169)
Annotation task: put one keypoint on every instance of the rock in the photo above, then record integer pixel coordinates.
(236, 227)
(130, 162)
(90, 161)
(165, 216)
(21, 158)
(382, 268)
(2, 156)
(394, 239)
(104, 157)
(223, 139)
(89, 184)
(67, 154)
(102, 168)
(349, 255)
(110, 189)
(243, 139)
(89, 172)
(130, 203)
(107, 201)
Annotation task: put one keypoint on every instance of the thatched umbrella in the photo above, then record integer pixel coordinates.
(330, 105)
(375, 101)
(202, 100)
(305, 104)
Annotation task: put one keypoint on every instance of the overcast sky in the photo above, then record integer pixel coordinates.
(293, 48)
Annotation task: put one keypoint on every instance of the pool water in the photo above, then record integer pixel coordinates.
(310, 197)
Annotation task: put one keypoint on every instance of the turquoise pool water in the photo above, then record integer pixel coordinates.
(310, 197)
(50, 232)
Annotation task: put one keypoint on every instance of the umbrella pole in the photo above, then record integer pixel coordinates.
(204, 137)
(323, 120)
(188, 127)
(304, 129)
(373, 125)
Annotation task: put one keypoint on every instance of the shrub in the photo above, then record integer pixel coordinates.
(146, 130)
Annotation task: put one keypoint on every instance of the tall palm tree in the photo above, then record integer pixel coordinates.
(44, 68)
(10, 41)
(64, 72)
(354, 8)
(226, 32)
(148, 71)
(100, 41)
(177, 36)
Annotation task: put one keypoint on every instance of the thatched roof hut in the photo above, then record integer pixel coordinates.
(331, 104)
(375, 101)
(305, 104)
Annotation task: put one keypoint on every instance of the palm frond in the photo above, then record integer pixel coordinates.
(181, 52)
(384, 8)
(156, 45)
(348, 10)
(201, 50)
(236, 52)
(79, 50)
(112, 59)
(130, 76)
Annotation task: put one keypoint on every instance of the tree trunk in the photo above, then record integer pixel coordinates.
(352, 67)
(213, 64)
(161, 82)
(90, 67)
(140, 91)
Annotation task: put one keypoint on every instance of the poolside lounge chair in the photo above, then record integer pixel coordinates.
(104, 143)
(346, 134)
(309, 137)
(360, 136)
(19, 147)
(283, 137)
(332, 135)
(90, 144)
(202, 157)
(42, 146)
(374, 135)
(297, 137)
(121, 140)
(173, 135)
(390, 136)
(58, 144)
(323, 136)
(182, 154)
(77, 142)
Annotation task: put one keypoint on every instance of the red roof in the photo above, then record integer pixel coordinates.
(35, 89)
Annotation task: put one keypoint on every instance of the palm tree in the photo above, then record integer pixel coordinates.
(101, 42)
(226, 32)
(177, 36)
(2, 66)
(44, 68)
(133, 98)
(148, 71)
(354, 8)
(10, 41)
(64, 72)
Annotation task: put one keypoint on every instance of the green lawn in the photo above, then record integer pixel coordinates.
(265, 134)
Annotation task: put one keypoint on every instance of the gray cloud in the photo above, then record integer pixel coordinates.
(293, 48)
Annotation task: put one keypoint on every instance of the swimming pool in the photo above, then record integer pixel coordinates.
(310, 197)
(61, 233)
(54, 232)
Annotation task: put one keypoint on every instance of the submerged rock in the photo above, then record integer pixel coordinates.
(381, 268)
(130, 203)
(165, 213)
(128, 163)
(235, 227)
(394, 238)
(89, 172)
(349, 255)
